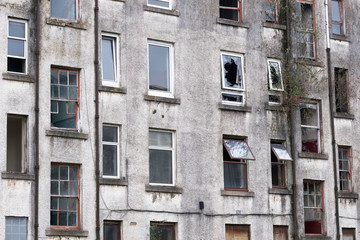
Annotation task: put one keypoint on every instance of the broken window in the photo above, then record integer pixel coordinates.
(64, 9)
(235, 156)
(231, 9)
(160, 69)
(235, 232)
(341, 90)
(305, 29)
(275, 81)
(279, 154)
(112, 230)
(65, 196)
(161, 157)
(233, 84)
(271, 10)
(109, 59)
(313, 207)
(337, 14)
(162, 231)
(17, 46)
(64, 98)
(280, 233)
(15, 228)
(310, 129)
(348, 234)
(110, 142)
(160, 3)
(344, 169)
(16, 143)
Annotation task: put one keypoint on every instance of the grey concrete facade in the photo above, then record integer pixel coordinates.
(192, 111)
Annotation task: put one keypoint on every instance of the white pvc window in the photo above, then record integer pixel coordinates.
(17, 46)
(160, 69)
(16, 228)
(161, 158)
(64, 9)
(111, 149)
(109, 55)
(160, 3)
(274, 74)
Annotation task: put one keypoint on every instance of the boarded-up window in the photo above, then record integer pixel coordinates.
(341, 90)
(237, 232)
(280, 233)
(16, 143)
(348, 233)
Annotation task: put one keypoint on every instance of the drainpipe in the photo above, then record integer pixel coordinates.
(97, 154)
(332, 120)
(37, 77)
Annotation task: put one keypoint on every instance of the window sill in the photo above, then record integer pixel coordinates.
(339, 37)
(18, 176)
(103, 88)
(234, 108)
(348, 195)
(175, 13)
(65, 23)
(233, 23)
(308, 61)
(118, 0)
(163, 189)
(316, 237)
(112, 181)
(274, 25)
(344, 115)
(276, 108)
(162, 99)
(237, 193)
(280, 191)
(17, 77)
(320, 156)
(66, 134)
(66, 232)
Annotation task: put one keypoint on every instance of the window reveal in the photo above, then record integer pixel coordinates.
(17, 46)
(313, 207)
(310, 129)
(231, 9)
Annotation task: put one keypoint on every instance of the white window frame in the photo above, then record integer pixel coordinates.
(271, 87)
(172, 149)
(22, 39)
(117, 144)
(167, 1)
(115, 43)
(77, 12)
(317, 127)
(160, 93)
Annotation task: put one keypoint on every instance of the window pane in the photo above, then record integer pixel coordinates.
(270, 11)
(73, 92)
(72, 219)
(72, 204)
(54, 203)
(73, 188)
(54, 172)
(54, 91)
(161, 232)
(71, 108)
(160, 166)
(63, 77)
(229, 14)
(229, 3)
(238, 149)
(275, 76)
(64, 188)
(336, 28)
(108, 59)
(335, 10)
(16, 65)
(62, 119)
(17, 29)
(73, 77)
(62, 219)
(73, 173)
(16, 47)
(16, 228)
(159, 69)
(232, 72)
(63, 9)
(110, 160)
(163, 3)
(111, 231)
(55, 187)
(63, 204)
(64, 173)
(305, 11)
(232, 98)
(54, 218)
(309, 115)
(161, 139)
(281, 152)
(310, 140)
(54, 76)
(64, 92)
(235, 175)
(110, 134)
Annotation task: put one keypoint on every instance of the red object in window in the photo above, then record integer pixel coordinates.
(313, 227)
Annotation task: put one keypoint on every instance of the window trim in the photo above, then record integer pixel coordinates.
(77, 13)
(342, 19)
(160, 93)
(239, 9)
(173, 155)
(270, 75)
(118, 151)
(116, 223)
(318, 127)
(349, 175)
(25, 45)
(157, 6)
(115, 44)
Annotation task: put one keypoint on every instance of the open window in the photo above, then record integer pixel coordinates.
(109, 59)
(65, 9)
(337, 17)
(160, 3)
(341, 90)
(310, 127)
(235, 156)
(276, 86)
(111, 151)
(305, 39)
(17, 46)
(279, 155)
(344, 158)
(64, 98)
(112, 230)
(313, 207)
(162, 231)
(233, 83)
(16, 143)
(236, 231)
(231, 9)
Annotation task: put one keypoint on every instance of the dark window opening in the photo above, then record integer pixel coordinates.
(16, 143)
(112, 230)
(341, 90)
(274, 99)
(305, 29)
(162, 231)
(230, 9)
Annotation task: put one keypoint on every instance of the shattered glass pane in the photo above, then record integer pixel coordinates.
(270, 11)
(275, 76)
(238, 149)
(232, 72)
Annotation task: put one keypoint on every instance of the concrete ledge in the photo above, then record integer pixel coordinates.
(280, 191)
(232, 23)
(308, 61)
(339, 37)
(18, 176)
(175, 13)
(66, 232)
(162, 99)
(17, 77)
(111, 181)
(348, 195)
(344, 115)
(237, 193)
(275, 108)
(103, 88)
(320, 156)
(65, 23)
(234, 108)
(274, 25)
(66, 134)
(163, 189)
